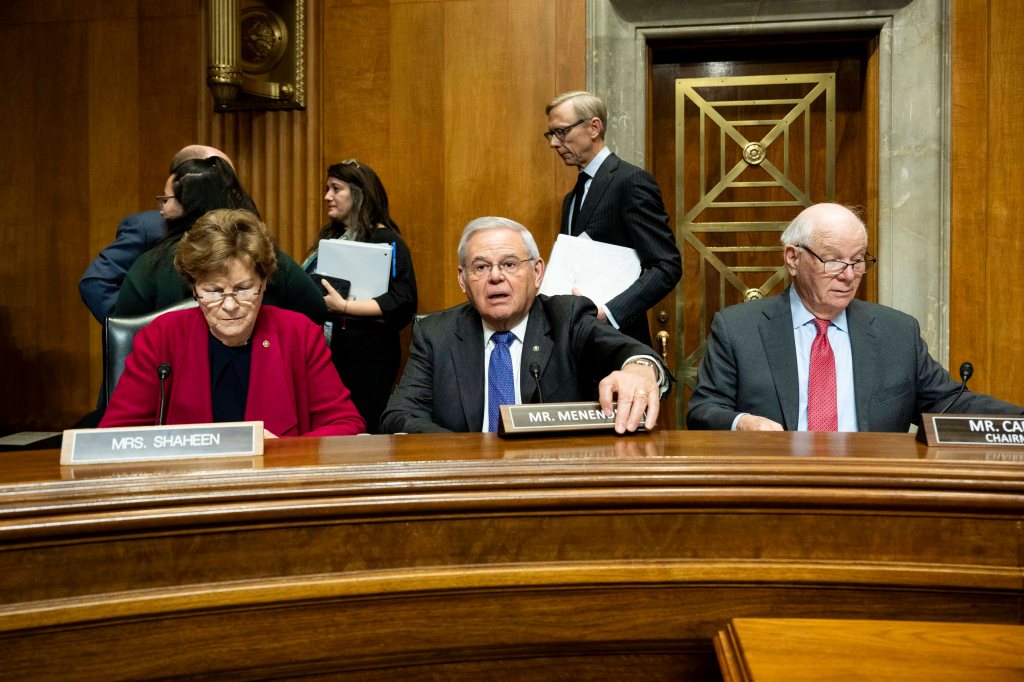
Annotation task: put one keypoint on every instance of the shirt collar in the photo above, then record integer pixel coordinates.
(519, 331)
(595, 163)
(801, 315)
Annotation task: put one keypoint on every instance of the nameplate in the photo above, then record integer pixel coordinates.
(161, 443)
(985, 430)
(547, 418)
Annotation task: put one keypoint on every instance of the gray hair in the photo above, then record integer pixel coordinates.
(801, 229)
(496, 223)
(586, 104)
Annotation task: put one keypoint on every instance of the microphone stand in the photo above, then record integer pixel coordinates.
(966, 371)
(163, 371)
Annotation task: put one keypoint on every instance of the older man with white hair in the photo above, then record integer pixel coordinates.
(509, 345)
(815, 358)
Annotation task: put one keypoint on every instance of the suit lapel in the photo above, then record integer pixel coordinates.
(563, 228)
(467, 354)
(864, 349)
(597, 189)
(776, 329)
(538, 336)
(189, 387)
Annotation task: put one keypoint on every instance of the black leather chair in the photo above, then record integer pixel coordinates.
(118, 339)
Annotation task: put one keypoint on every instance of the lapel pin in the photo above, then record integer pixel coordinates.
(536, 349)
(266, 344)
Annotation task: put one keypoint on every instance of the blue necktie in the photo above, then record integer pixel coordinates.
(501, 382)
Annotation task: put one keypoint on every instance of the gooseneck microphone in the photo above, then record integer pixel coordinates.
(163, 371)
(535, 373)
(966, 371)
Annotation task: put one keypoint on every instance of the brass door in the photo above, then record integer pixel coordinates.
(739, 148)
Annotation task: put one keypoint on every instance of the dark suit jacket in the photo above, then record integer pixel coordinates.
(442, 388)
(102, 279)
(293, 387)
(750, 366)
(624, 207)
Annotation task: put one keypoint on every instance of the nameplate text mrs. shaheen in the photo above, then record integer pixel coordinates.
(162, 443)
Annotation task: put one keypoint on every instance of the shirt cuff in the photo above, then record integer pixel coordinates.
(660, 375)
(736, 421)
(611, 318)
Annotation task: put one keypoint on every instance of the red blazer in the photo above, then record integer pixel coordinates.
(293, 385)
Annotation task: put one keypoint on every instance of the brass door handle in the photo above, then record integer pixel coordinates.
(663, 338)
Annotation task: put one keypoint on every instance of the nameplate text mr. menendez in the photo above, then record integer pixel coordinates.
(538, 418)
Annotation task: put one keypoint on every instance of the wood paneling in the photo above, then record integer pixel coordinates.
(416, 173)
(986, 246)
(764, 649)
(444, 98)
(559, 558)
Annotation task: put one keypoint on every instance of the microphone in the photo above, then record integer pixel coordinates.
(535, 373)
(966, 372)
(163, 371)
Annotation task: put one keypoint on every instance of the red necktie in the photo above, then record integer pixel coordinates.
(822, 414)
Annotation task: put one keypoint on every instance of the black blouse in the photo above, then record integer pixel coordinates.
(229, 380)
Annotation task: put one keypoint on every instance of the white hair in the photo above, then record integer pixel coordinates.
(496, 223)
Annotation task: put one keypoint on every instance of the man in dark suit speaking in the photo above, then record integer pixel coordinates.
(617, 203)
(817, 359)
(509, 345)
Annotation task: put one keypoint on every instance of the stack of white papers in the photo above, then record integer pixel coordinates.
(598, 270)
(366, 266)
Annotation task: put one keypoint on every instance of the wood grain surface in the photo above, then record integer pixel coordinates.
(793, 650)
(465, 555)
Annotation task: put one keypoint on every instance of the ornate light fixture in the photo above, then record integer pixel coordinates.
(256, 54)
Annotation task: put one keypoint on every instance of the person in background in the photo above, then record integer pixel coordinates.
(232, 358)
(508, 345)
(815, 358)
(614, 202)
(135, 235)
(364, 334)
(197, 187)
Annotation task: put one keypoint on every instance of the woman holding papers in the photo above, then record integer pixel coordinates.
(232, 358)
(364, 334)
(197, 187)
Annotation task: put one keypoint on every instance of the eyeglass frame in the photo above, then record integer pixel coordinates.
(221, 295)
(162, 199)
(562, 133)
(476, 271)
(869, 262)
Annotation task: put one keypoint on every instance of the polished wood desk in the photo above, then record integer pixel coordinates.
(794, 650)
(463, 556)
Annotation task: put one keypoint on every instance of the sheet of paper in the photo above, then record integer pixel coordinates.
(366, 266)
(599, 271)
(27, 437)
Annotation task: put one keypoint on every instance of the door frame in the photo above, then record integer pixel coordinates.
(913, 142)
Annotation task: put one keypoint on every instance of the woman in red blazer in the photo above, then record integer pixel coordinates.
(232, 359)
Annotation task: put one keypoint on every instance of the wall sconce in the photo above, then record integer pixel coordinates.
(256, 54)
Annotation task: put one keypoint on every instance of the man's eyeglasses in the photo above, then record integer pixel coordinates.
(834, 268)
(509, 267)
(560, 133)
(215, 298)
(162, 200)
